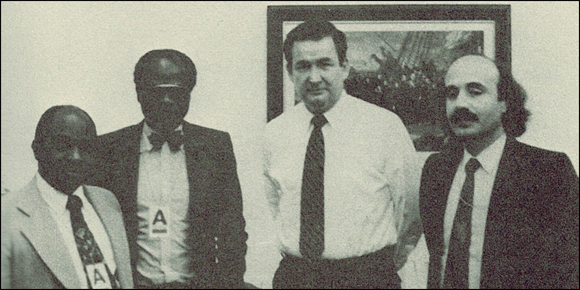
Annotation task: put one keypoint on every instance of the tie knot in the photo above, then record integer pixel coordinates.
(174, 139)
(472, 166)
(318, 121)
(74, 203)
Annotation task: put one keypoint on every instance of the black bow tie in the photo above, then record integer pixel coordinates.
(174, 139)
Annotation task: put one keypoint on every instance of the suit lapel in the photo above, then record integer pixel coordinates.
(446, 171)
(500, 203)
(42, 232)
(504, 180)
(133, 145)
(113, 223)
(440, 178)
(198, 165)
(447, 175)
(126, 149)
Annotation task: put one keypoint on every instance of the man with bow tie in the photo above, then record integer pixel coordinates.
(177, 185)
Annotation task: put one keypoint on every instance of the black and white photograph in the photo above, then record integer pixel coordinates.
(399, 54)
(290, 144)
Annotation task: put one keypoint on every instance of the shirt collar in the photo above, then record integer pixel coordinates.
(337, 113)
(333, 116)
(145, 144)
(488, 158)
(55, 199)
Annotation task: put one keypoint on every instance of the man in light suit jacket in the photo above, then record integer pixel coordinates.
(177, 185)
(523, 231)
(39, 247)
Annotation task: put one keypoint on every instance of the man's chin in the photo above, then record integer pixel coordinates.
(69, 186)
(165, 124)
(316, 103)
(465, 133)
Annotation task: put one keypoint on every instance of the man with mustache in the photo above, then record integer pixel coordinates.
(496, 213)
(342, 175)
(177, 184)
(56, 231)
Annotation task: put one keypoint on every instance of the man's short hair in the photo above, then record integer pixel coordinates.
(146, 62)
(44, 129)
(315, 30)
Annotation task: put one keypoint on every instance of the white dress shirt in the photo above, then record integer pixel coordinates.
(162, 185)
(56, 201)
(483, 185)
(370, 167)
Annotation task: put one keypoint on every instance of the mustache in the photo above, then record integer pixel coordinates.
(463, 115)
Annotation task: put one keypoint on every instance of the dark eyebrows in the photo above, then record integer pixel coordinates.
(475, 85)
(324, 60)
(302, 63)
(450, 92)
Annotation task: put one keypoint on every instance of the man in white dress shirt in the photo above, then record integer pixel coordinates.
(40, 244)
(370, 175)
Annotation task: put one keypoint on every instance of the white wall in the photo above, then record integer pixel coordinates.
(83, 54)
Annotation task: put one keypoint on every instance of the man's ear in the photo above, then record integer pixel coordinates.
(139, 96)
(345, 69)
(503, 106)
(38, 150)
(289, 69)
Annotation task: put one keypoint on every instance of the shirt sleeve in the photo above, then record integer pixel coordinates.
(6, 247)
(271, 186)
(407, 180)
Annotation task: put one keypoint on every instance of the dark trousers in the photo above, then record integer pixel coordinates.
(372, 271)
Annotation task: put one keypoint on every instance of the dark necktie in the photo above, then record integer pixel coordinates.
(457, 267)
(174, 139)
(312, 199)
(88, 248)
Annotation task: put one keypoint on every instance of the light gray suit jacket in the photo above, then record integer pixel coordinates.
(34, 254)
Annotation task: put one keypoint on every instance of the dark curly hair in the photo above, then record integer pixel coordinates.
(315, 30)
(515, 118)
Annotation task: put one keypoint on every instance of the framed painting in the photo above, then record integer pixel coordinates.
(398, 55)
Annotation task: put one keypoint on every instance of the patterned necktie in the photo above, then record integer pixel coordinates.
(457, 268)
(312, 200)
(91, 256)
(174, 139)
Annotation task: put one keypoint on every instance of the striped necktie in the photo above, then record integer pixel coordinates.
(312, 198)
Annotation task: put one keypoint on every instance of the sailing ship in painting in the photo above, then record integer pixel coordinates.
(403, 71)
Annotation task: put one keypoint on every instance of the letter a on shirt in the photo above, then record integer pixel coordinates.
(158, 222)
(98, 276)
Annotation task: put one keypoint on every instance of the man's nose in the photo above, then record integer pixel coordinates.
(167, 98)
(462, 99)
(315, 75)
(75, 153)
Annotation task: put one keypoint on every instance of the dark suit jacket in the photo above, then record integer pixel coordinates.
(217, 236)
(531, 235)
(34, 254)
